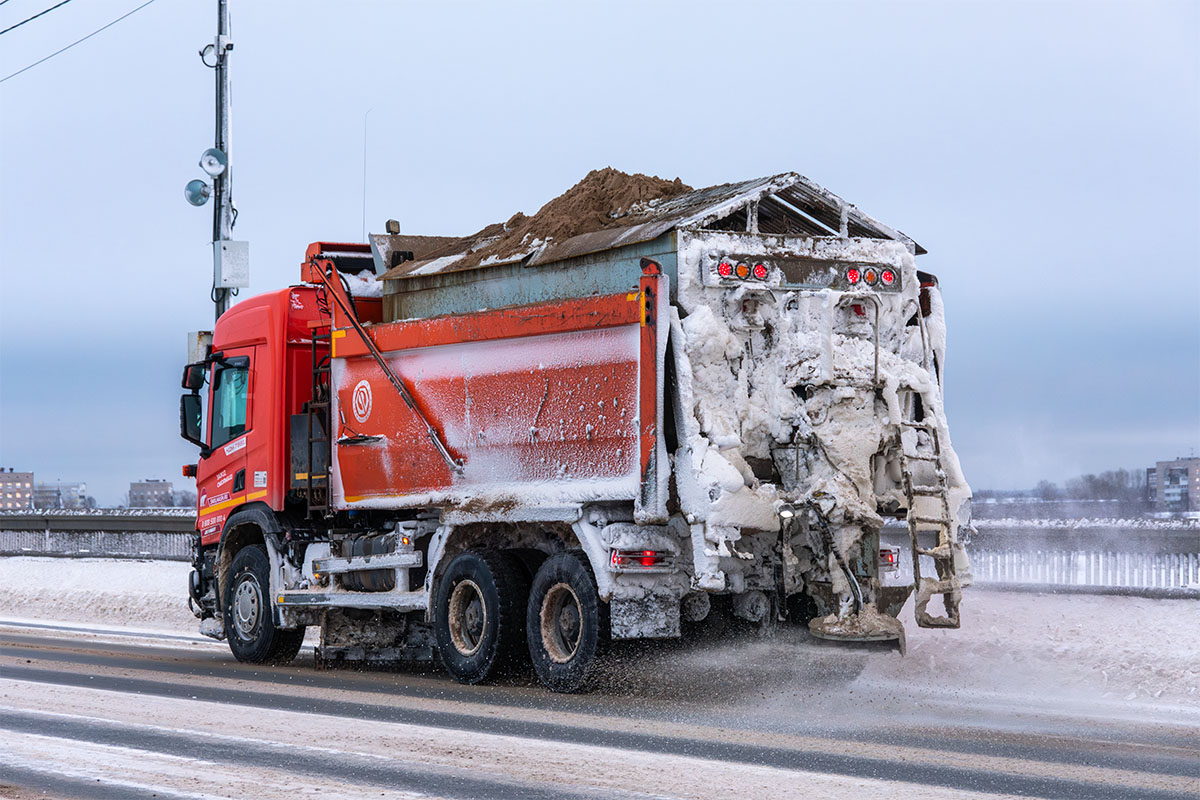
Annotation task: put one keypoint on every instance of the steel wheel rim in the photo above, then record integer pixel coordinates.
(247, 607)
(468, 617)
(561, 623)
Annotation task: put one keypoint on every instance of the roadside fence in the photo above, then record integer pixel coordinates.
(167, 534)
(153, 534)
(1087, 569)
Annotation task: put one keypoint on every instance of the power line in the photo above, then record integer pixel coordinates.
(35, 16)
(77, 41)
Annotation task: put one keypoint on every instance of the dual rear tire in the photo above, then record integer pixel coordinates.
(479, 619)
(492, 620)
(566, 623)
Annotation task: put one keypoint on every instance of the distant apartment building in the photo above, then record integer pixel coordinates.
(1174, 486)
(16, 490)
(151, 494)
(60, 495)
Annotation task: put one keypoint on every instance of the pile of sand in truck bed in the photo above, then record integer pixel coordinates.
(605, 198)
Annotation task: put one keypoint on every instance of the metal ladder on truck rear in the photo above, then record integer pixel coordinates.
(319, 423)
(947, 584)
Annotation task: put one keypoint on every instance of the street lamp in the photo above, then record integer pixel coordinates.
(213, 161)
(197, 192)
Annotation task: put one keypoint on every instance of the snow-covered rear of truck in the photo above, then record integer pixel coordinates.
(810, 401)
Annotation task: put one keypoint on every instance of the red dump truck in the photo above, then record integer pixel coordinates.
(574, 428)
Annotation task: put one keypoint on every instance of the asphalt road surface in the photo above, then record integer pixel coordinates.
(97, 714)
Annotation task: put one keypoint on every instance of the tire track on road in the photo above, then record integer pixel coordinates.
(1165, 759)
(1106, 784)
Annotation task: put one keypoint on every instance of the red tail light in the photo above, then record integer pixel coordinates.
(888, 277)
(760, 271)
(852, 276)
(636, 560)
(725, 269)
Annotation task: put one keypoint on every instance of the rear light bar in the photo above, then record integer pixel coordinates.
(788, 272)
(641, 561)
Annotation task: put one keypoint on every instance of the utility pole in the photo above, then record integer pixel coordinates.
(231, 259)
(222, 183)
(364, 183)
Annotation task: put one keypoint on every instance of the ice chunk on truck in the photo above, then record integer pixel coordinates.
(642, 405)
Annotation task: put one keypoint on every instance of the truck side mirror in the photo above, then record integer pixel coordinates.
(190, 412)
(193, 376)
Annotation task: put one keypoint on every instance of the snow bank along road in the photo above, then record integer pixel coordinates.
(90, 710)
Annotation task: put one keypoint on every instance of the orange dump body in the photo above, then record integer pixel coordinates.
(548, 404)
(553, 404)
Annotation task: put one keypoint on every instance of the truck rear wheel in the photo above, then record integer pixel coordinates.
(566, 623)
(479, 610)
(249, 622)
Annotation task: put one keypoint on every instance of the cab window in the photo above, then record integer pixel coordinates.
(231, 385)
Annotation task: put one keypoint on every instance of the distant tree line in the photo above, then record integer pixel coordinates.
(1115, 493)
(1128, 486)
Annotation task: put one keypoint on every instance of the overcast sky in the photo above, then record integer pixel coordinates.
(1046, 154)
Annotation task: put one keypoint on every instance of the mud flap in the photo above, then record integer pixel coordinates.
(654, 616)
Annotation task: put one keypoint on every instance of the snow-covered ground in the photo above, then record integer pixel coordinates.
(1113, 648)
(142, 594)
(1070, 645)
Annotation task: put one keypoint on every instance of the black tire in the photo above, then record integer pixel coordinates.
(249, 617)
(479, 615)
(566, 623)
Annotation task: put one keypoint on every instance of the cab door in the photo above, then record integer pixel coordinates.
(221, 475)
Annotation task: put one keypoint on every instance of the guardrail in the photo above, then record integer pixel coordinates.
(1155, 573)
(167, 534)
(154, 533)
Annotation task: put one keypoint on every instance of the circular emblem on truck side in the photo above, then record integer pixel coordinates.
(362, 401)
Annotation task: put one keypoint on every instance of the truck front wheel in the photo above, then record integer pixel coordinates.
(249, 623)
(479, 608)
(566, 623)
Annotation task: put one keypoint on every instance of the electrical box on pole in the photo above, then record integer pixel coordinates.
(231, 264)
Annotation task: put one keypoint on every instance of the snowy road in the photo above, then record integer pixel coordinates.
(92, 713)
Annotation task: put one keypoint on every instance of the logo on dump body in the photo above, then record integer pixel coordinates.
(362, 401)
